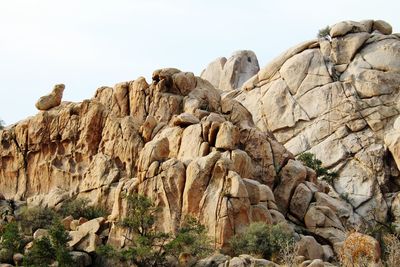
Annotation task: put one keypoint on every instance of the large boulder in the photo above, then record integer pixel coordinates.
(51, 100)
(229, 74)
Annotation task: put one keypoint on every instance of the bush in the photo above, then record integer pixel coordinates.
(312, 162)
(149, 247)
(80, 208)
(262, 240)
(11, 238)
(46, 250)
(37, 217)
(391, 248)
(42, 254)
(59, 238)
(324, 32)
(359, 250)
(191, 239)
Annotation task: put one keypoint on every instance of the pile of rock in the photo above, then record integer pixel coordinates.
(218, 158)
(337, 97)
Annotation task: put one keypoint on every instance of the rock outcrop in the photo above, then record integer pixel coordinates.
(337, 97)
(230, 74)
(51, 100)
(220, 159)
(174, 140)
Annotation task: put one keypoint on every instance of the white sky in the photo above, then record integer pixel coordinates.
(89, 43)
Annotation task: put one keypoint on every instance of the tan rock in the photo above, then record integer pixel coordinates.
(66, 222)
(227, 137)
(185, 82)
(382, 26)
(232, 73)
(354, 74)
(40, 233)
(89, 243)
(291, 176)
(253, 191)
(322, 221)
(51, 100)
(213, 72)
(300, 201)
(310, 248)
(185, 119)
(91, 226)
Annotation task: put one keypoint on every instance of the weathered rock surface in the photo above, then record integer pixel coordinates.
(193, 152)
(51, 100)
(337, 97)
(174, 140)
(230, 74)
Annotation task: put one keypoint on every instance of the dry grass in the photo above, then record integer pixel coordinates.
(392, 250)
(359, 250)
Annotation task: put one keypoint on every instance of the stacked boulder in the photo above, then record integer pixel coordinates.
(337, 97)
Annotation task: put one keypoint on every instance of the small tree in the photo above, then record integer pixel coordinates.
(147, 244)
(42, 253)
(312, 162)
(149, 247)
(59, 238)
(262, 240)
(46, 250)
(191, 239)
(11, 237)
(324, 32)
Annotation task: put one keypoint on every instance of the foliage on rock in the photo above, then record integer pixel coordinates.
(11, 238)
(324, 32)
(80, 208)
(359, 250)
(312, 162)
(46, 250)
(262, 240)
(149, 247)
(37, 217)
(41, 254)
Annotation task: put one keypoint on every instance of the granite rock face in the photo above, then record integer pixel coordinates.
(174, 140)
(337, 97)
(230, 74)
(202, 147)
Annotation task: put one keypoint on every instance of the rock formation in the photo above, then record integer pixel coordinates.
(220, 159)
(51, 100)
(175, 141)
(231, 73)
(337, 97)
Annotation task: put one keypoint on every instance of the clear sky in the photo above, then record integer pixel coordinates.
(86, 44)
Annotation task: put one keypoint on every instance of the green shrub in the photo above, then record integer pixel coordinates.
(191, 239)
(324, 32)
(59, 238)
(147, 244)
(45, 250)
(80, 208)
(11, 238)
(37, 217)
(149, 247)
(41, 254)
(261, 240)
(312, 162)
